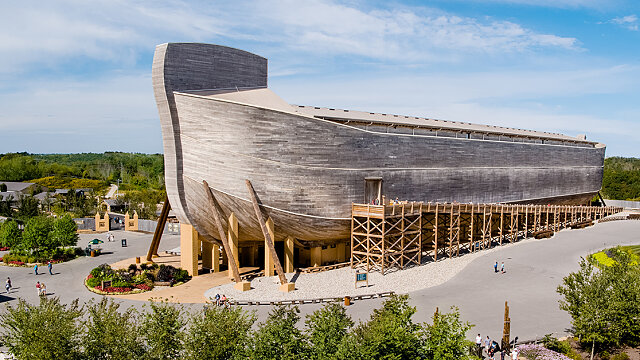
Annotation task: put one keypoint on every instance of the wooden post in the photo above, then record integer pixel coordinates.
(232, 235)
(267, 237)
(269, 265)
(225, 243)
(288, 254)
(316, 256)
(506, 333)
(207, 255)
(157, 235)
(189, 244)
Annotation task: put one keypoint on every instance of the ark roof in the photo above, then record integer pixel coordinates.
(265, 98)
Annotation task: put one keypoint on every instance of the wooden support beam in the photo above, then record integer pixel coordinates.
(225, 243)
(288, 254)
(269, 264)
(157, 235)
(232, 237)
(265, 232)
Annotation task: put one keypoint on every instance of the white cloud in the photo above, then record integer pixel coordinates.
(629, 22)
(46, 33)
(565, 4)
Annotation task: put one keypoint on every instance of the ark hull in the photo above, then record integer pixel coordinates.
(307, 171)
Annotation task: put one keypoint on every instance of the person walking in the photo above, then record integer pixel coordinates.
(502, 267)
(38, 287)
(43, 289)
(495, 267)
(487, 343)
(7, 284)
(35, 268)
(514, 353)
(50, 267)
(479, 345)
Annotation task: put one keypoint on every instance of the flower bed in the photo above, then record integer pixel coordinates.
(539, 352)
(134, 279)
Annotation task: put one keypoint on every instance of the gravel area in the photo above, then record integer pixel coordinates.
(340, 282)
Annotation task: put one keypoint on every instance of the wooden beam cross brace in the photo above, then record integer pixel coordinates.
(267, 236)
(223, 237)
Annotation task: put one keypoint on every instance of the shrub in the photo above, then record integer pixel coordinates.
(538, 352)
(556, 345)
(149, 275)
(31, 260)
(120, 283)
(93, 282)
(132, 268)
(620, 356)
(101, 272)
(166, 273)
(143, 267)
(181, 275)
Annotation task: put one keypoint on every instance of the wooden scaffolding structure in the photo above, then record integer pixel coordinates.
(386, 237)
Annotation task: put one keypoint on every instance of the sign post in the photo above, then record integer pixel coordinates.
(360, 277)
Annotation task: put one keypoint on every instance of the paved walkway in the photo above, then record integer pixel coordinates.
(67, 283)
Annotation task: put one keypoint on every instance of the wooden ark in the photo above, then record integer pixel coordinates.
(222, 124)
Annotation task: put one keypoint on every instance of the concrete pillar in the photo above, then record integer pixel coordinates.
(341, 251)
(215, 254)
(269, 264)
(207, 255)
(232, 236)
(288, 255)
(189, 246)
(316, 256)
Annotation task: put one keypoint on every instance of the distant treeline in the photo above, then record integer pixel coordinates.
(621, 180)
(135, 171)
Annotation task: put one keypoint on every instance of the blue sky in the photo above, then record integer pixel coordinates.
(75, 76)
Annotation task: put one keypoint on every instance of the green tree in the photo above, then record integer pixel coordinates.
(326, 328)
(36, 235)
(111, 333)
(218, 333)
(46, 331)
(162, 331)
(278, 337)
(603, 301)
(64, 232)
(5, 206)
(389, 334)
(446, 338)
(28, 207)
(18, 167)
(10, 234)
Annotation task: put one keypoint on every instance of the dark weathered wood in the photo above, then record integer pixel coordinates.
(225, 242)
(157, 235)
(267, 237)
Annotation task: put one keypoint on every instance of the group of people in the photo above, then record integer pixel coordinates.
(492, 347)
(42, 288)
(49, 267)
(222, 301)
(495, 268)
